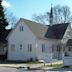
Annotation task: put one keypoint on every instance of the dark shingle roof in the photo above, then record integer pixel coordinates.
(59, 30)
(69, 42)
(50, 33)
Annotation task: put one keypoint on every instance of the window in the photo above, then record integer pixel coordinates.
(12, 47)
(29, 47)
(21, 28)
(69, 48)
(53, 48)
(20, 46)
(43, 47)
(58, 48)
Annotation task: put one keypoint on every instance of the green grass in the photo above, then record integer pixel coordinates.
(55, 65)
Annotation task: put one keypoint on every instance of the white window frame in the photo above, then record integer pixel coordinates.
(21, 28)
(43, 47)
(21, 46)
(29, 47)
(12, 47)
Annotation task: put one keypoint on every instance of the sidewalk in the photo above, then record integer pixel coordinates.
(56, 62)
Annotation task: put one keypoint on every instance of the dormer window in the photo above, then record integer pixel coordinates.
(21, 28)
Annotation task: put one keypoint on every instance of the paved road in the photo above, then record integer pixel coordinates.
(6, 69)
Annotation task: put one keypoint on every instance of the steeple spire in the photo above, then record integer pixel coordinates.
(51, 16)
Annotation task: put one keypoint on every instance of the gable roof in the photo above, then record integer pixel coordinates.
(45, 31)
(56, 31)
(41, 31)
(38, 29)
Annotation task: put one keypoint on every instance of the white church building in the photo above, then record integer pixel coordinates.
(30, 40)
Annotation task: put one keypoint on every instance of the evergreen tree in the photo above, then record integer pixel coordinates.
(3, 22)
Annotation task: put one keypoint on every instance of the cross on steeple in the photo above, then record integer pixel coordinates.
(51, 16)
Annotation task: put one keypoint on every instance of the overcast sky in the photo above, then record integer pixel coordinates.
(26, 8)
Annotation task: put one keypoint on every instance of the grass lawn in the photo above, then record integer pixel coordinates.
(55, 65)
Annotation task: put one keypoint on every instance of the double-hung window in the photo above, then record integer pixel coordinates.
(29, 47)
(21, 28)
(43, 47)
(12, 47)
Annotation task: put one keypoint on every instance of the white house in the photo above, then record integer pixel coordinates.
(31, 40)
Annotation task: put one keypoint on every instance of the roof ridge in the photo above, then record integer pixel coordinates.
(33, 21)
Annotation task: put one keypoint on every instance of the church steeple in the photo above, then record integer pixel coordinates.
(51, 16)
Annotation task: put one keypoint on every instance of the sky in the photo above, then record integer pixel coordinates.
(26, 8)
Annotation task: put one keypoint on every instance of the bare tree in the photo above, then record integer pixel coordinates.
(66, 14)
(40, 18)
(11, 19)
(57, 14)
(61, 14)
